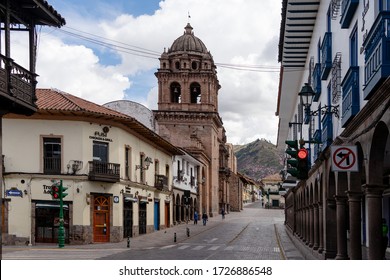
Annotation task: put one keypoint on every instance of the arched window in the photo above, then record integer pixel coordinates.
(195, 93)
(175, 93)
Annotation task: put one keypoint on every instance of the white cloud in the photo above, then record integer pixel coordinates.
(235, 31)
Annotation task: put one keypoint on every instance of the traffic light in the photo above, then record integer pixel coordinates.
(303, 164)
(292, 150)
(55, 191)
(62, 191)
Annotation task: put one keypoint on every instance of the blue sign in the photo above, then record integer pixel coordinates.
(14, 192)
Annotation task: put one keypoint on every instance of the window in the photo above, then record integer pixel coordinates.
(100, 151)
(127, 162)
(195, 93)
(51, 155)
(177, 65)
(353, 46)
(175, 93)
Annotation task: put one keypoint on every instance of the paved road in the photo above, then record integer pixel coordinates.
(246, 235)
(252, 234)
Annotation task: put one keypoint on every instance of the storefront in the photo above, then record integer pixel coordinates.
(47, 221)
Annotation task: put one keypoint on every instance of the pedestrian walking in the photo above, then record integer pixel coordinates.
(196, 216)
(205, 218)
(223, 214)
(385, 238)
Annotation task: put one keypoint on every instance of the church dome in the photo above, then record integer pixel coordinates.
(188, 42)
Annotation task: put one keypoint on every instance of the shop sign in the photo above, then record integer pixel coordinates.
(101, 135)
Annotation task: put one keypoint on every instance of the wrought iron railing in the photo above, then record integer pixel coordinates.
(104, 171)
(161, 182)
(52, 165)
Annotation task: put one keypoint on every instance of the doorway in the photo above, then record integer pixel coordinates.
(101, 219)
(142, 217)
(127, 218)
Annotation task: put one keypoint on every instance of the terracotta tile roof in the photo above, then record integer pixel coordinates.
(55, 100)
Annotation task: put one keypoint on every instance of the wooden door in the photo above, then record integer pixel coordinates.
(101, 219)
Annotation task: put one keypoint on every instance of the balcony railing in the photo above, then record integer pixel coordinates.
(52, 165)
(17, 87)
(348, 8)
(317, 81)
(104, 171)
(326, 55)
(161, 182)
(350, 85)
(377, 54)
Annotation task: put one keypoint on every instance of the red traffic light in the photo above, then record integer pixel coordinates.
(302, 153)
(55, 191)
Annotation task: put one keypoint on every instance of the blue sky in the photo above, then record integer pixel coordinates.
(109, 49)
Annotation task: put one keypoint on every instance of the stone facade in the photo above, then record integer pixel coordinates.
(187, 114)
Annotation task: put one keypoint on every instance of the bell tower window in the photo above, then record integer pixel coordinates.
(175, 93)
(195, 93)
(177, 65)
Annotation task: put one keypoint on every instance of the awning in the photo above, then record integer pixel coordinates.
(131, 199)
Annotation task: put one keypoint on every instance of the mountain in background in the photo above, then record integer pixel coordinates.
(258, 159)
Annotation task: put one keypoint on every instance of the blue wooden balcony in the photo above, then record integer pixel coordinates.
(348, 9)
(326, 55)
(351, 104)
(317, 81)
(327, 131)
(377, 54)
(317, 145)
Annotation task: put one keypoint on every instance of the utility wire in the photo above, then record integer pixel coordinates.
(143, 52)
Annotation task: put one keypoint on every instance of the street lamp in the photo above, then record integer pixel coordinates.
(307, 95)
(145, 165)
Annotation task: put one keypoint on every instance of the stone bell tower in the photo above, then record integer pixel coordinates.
(187, 114)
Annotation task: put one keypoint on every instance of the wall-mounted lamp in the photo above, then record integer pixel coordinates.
(121, 192)
(145, 165)
(307, 94)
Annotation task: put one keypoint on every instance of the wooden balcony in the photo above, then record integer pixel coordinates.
(17, 88)
(376, 54)
(161, 182)
(326, 55)
(104, 171)
(351, 97)
(348, 9)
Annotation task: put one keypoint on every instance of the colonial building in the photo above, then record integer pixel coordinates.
(187, 114)
(186, 184)
(273, 191)
(335, 56)
(17, 90)
(117, 173)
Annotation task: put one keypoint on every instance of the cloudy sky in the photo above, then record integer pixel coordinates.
(109, 49)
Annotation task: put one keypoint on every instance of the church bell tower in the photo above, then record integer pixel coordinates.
(187, 114)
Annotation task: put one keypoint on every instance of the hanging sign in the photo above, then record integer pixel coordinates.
(344, 159)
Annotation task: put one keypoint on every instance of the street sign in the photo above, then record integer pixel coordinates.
(344, 159)
(14, 192)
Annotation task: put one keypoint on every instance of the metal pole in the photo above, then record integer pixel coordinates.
(61, 229)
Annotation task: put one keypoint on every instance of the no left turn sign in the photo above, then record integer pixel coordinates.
(344, 158)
